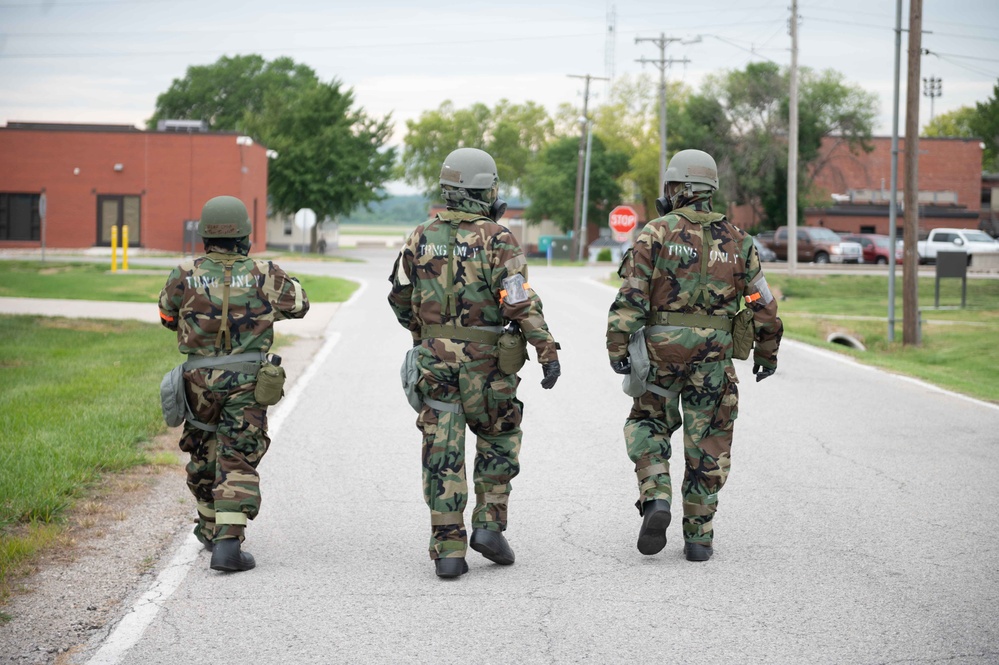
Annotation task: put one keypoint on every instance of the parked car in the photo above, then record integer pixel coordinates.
(764, 252)
(876, 248)
(818, 244)
(956, 240)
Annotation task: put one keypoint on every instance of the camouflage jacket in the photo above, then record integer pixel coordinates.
(663, 273)
(260, 294)
(483, 254)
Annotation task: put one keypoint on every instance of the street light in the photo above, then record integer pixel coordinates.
(932, 88)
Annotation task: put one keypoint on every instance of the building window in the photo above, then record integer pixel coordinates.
(19, 218)
(287, 226)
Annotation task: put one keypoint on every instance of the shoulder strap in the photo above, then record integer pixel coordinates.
(224, 334)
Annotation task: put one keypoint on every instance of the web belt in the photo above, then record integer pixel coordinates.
(479, 334)
(686, 320)
(247, 363)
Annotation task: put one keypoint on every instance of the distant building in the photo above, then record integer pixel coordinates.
(95, 177)
(854, 188)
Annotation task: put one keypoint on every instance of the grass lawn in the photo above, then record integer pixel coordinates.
(77, 399)
(959, 348)
(92, 281)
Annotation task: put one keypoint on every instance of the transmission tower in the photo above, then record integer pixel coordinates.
(610, 44)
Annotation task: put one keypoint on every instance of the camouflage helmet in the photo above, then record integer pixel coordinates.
(470, 173)
(224, 217)
(694, 167)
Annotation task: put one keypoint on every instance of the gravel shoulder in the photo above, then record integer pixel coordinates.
(113, 546)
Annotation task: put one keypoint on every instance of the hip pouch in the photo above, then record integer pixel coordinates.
(270, 383)
(511, 350)
(172, 398)
(410, 374)
(743, 334)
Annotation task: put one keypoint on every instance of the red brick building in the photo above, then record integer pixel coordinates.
(853, 190)
(859, 185)
(94, 177)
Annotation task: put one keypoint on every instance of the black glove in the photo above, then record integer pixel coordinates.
(762, 372)
(622, 366)
(552, 371)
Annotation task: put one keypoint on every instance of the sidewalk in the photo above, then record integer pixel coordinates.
(313, 325)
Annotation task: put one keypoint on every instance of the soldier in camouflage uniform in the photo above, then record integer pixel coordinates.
(227, 435)
(684, 281)
(460, 277)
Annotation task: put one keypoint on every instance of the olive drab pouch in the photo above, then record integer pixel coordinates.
(270, 384)
(743, 334)
(511, 350)
(172, 397)
(635, 384)
(410, 374)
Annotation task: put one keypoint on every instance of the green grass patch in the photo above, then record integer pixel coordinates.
(93, 281)
(958, 349)
(78, 399)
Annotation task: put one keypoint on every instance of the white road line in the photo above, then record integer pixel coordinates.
(129, 630)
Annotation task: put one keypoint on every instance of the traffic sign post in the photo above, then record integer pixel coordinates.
(623, 220)
(305, 219)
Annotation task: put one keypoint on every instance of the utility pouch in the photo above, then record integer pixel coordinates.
(172, 397)
(410, 374)
(270, 383)
(743, 334)
(512, 350)
(634, 384)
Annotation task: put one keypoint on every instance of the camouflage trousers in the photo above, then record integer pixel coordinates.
(490, 408)
(222, 471)
(706, 405)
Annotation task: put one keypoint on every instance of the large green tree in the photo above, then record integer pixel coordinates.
(755, 103)
(550, 184)
(979, 121)
(231, 91)
(512, 133)
(332, 156)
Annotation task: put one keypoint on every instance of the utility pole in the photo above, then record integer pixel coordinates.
(910, 267)
(792, 150)
(577, 242)
(932, 88)
(662, 63)
(893, 204)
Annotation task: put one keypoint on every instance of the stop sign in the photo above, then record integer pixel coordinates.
(623, 219)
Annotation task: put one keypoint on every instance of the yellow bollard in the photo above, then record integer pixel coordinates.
(114, 248)
(124, 248)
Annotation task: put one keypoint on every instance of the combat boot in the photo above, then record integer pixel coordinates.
(697, 551)
(492, 545)
(652, 535)
(226, 555)
(451, 566)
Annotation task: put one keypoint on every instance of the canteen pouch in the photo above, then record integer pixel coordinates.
(743, 334)
(410, 374)
(172, 397)
(512, 350)
(270, 384)
(634, 384)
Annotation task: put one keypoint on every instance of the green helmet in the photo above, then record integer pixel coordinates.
(695, 168)
(224, 217)
(469, 173)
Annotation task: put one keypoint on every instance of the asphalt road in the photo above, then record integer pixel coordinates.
(858, 525)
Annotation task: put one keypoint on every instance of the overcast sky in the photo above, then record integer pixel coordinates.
(105, 61)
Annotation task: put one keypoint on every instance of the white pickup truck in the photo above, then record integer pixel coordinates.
(955, 240)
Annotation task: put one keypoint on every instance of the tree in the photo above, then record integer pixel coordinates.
(332, 157)
(512, 133)
(551, 182)
(985, 125)
(755, 105)
(225, 94)
(955, 124)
